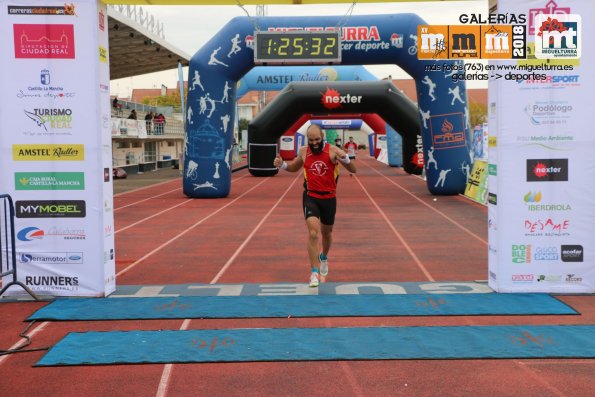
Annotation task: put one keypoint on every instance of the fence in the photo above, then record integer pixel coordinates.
(8, 259)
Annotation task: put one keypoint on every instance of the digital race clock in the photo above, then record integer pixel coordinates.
(298, 46)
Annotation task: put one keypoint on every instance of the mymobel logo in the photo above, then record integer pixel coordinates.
(557, 36)
(51, 209)
(332, 99)
(547, 170)
(49, 180)
(572, 253)
(49, 152)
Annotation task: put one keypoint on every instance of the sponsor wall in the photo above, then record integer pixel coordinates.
(541, 165)
(55, 144)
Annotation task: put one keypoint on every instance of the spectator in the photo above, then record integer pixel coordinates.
(132, 115)
(159, 124)
(149, 120)
(115, 103)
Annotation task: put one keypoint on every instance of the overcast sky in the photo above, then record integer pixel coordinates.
(189, 27)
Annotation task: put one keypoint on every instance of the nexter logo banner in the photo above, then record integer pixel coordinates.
(471, 41)
(557, 36)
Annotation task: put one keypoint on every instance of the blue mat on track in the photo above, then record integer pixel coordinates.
(311, 344)
(300, 306)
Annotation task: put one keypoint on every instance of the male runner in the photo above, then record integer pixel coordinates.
(319, 160)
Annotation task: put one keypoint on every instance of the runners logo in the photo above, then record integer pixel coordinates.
(55, 41)
(547, 170)
(558, 36)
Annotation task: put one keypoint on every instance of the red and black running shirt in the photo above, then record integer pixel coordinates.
(320, 174)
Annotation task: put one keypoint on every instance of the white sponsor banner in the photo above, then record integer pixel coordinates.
(542, 219)
(287, 143)
(49, 121)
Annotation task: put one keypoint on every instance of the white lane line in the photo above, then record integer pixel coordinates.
(143, 200)
(188, 200)
(31, 333)
(167, 370)
(121, 272)
(143, 188)
(247, 240)
(396, 232)
(432, 208)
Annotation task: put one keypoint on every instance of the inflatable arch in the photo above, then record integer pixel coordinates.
(370, 123)
(275, 78)
(366, 39)
(297, 99)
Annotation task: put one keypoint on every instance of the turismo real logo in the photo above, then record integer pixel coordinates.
(49, 181)
(45, 41)
(547, 170)
(557, 36)
(49, 152)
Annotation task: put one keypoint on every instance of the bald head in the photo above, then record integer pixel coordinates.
(315, 138)
(314, 131)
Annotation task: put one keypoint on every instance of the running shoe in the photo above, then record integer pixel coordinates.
(314, 279)
(323, 260)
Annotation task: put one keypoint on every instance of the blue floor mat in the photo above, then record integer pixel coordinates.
(311, 344)
(301, 306)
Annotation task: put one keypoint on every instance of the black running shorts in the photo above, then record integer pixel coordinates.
(323, 209)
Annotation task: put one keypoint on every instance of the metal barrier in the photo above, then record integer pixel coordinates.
(8, 255)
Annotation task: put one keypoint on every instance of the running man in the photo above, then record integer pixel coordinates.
(351, 148)
(319, 160)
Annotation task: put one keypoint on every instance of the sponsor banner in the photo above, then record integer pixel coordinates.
(48, 152)
(542, 226)
(477, 184)
(50, 209)
(286, 143)
(44, 41)
(50, 258)
(49, 180)
(58, 117)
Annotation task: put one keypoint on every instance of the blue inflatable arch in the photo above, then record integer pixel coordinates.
(275, 78)
(366, 39)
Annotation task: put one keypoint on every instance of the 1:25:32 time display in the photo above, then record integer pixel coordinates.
(296, 46)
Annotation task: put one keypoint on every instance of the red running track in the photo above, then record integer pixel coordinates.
(388, 229)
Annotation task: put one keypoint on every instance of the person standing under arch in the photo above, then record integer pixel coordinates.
(319, 160)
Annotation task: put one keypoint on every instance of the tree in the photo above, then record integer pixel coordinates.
(164, 100)
(478, 113)
(243, 124)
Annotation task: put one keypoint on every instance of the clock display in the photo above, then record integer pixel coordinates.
(297, 47)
